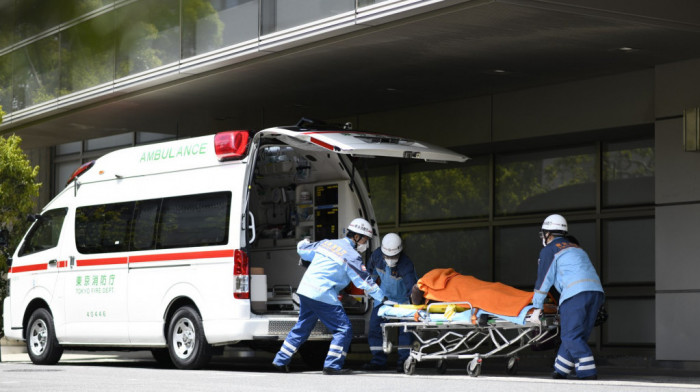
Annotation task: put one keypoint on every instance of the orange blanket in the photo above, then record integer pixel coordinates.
(446, 285)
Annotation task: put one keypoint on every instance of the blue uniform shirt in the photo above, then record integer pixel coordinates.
(397, 282)
(565, 266)
(334, 264)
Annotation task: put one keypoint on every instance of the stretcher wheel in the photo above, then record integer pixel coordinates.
(474, 367)
(409, 366)
(386, 347)
(442, 366)
(512, 365)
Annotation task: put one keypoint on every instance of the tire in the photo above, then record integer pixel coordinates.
(187, 344)
(162, 357)
(42, 345)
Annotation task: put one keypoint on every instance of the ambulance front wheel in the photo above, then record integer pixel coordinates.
(42, 345)
(186, 341)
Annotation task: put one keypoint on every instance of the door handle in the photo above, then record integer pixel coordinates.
(52, 263)
(252, 226)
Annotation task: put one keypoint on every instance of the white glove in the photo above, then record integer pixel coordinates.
(303, 242)
(535, 317)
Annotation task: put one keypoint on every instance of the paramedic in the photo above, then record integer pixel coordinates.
(334, 264)
(396, 278)
(564, 265)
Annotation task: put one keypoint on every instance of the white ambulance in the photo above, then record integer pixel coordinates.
(184, 247)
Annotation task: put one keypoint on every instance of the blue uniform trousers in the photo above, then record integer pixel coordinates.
(335, 320)
(578, 315)
(375, 341)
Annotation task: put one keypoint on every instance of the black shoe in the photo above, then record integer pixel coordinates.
(336, 372)
(373, 367)
(281, 368)
(593, 377)
(558, 376)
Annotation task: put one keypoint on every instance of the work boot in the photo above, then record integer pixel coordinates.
(281, 368)
(558, 376)
(593, 377)
(336, 372)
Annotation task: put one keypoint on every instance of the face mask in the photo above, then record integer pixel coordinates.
(391, 262)
(544, 239)
(361, 248)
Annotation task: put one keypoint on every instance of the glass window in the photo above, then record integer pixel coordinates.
(7, 23)
(560, 179)
(145, 218)
(6, 83)
(628, 173)
(280, 15)
(628, 251)
(45, 232)
(87, 54)
(36, 73)
(103, 228)
(630, 321)
(384, 192)
(364, 3)
(214, 24)
(148, 35)
(198, 220)
(467, 251)
(69, 148)
(36, 16)
(124, 139)
(517, 249)
(75, 8)
(148, 137)
(441, 191)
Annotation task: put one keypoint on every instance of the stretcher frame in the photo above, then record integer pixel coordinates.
(471, 340)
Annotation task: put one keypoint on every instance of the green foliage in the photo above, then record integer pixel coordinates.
(18, 192)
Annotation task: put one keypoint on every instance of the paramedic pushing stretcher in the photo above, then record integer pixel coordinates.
(397, 276)
(334, 264)
(564, 265)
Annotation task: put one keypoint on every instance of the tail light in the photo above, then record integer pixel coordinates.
(241, 279)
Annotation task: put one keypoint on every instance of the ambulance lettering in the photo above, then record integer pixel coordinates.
(169, 153)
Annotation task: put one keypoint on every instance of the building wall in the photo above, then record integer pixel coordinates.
(677, 214)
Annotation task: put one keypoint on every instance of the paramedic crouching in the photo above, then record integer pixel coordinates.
(397, 276)
(334, 263)
(564, 265)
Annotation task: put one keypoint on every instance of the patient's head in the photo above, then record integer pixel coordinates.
(417, 297)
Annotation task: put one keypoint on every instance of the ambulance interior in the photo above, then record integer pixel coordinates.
(295, 194)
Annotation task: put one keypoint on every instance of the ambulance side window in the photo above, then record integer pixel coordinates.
(197, 220)
(144, 230)
(103, 228)
(45, 232)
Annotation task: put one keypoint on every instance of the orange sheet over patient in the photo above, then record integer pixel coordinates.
(446, 285)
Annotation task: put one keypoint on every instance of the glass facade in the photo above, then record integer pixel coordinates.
(482, 218)
(49, 49)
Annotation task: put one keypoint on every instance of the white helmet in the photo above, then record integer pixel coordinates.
(391, 244)
(556, 224)
(361, 226)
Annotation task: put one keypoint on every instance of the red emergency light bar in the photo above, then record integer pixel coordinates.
(230, 145)
(79, 171)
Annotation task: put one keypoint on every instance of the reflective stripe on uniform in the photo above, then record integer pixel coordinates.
(375, 348)
(564, 361)
(562, 369)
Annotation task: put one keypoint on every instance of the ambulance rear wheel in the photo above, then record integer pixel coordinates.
(42, 345)
(186, 341)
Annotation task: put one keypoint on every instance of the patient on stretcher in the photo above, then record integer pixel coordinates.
(447, 285)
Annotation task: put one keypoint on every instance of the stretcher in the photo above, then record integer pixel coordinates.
(457, 331)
